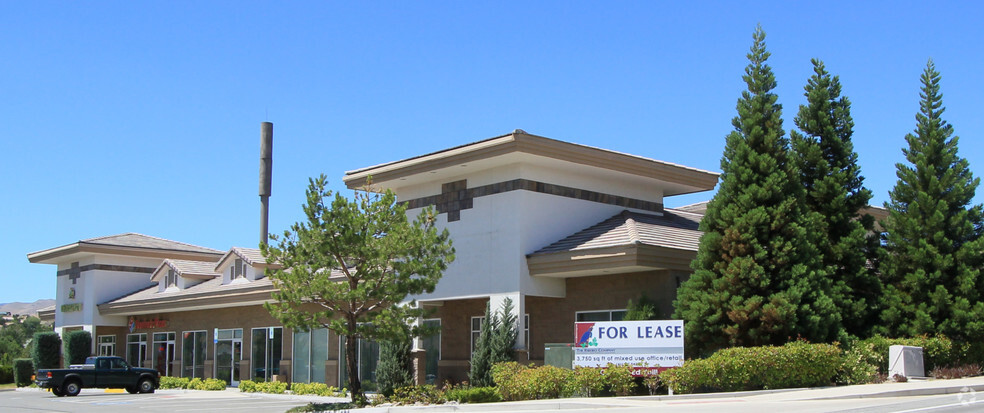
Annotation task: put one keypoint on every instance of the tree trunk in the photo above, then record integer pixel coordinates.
(355, 385)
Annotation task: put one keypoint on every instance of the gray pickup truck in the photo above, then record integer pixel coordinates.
(106, 372)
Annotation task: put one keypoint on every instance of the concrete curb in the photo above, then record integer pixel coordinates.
(905, 393)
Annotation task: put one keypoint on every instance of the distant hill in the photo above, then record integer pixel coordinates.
(26, 308)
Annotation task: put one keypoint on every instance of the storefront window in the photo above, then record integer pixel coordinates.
(367, 359)
(603, 315)
(193, 354)
(136, 349)
(310, 355)
(107, 345)
(267, 350)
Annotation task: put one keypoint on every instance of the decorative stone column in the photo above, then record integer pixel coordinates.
(418, 358)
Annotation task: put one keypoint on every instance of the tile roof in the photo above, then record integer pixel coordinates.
(698, 208)
(252, 256)
(675, 229)
(210, 287)
(186, 268)
(132, 239)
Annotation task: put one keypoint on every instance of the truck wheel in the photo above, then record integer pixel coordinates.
(131, 389)
(146, 386)
(72, 388)
(57, 392)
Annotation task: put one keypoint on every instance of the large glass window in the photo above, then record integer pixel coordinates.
(367, 359)
(136, 349)
(603, 315)
(267, 350)
(310, 355)
(432, 349)
(193, 354)
(107, 345)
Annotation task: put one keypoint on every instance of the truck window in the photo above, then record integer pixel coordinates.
(103, 364)
(118, 364)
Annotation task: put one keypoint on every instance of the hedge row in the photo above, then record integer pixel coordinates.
(515, 381)
(168, 382)
(796, 364)
(23, 370)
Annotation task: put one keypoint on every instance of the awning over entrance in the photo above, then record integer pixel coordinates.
(627, 242)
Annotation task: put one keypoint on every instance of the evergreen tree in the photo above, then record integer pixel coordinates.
(931, 265)
(395, 367)
(757, 278)
(643, 309)
(495, 343)
(829, 172)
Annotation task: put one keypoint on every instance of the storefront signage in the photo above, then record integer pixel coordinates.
(69, 308)
(645, 345)
(135, 324)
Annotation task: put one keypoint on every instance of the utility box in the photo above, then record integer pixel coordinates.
(559, 355)
(906, 361)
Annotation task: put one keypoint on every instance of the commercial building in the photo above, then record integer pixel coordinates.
(567, 232)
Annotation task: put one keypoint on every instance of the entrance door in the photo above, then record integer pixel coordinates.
(163, 352)
(228, 354)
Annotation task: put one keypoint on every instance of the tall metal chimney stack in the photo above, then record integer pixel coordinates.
(266, 177)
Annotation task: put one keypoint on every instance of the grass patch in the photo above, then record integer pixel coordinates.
(323, 407)
(8, 386)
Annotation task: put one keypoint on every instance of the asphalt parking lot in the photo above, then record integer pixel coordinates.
(164, 401)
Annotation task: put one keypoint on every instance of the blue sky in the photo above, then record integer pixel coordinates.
(144, 116)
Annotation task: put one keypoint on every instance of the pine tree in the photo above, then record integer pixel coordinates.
(495, 343)
(757, 277)
(829, 172)
(931, 265)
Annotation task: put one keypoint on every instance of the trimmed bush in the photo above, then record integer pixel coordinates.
(168, 382)
(796, 364)
(938, 351)
(216, 385)
(23, 370)
(6, 374)
(272, 387)
(46, 350)
(318, 389)
(619, 380)
(426, 394)
(585, 382)
(856, 365)
(78, 346)
(472, 394)
(508, 378)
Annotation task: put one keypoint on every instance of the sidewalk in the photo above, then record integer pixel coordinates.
(779, 397)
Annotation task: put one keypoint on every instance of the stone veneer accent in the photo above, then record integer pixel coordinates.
(456, 196)
(76, 271)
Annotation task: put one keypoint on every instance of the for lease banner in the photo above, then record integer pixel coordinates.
(654, 344)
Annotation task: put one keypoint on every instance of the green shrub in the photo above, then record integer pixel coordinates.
(78, 345)
(168, 382)
(472, 394)
(938, 351)
(585, 382)
(216, 384)
(426, 394)
(508, 379)
(272, 387)
(318, 389)
(857, 365)
(796, 364)
(6, 374)
(545, 382)
(619, 380)
(23, 370)
(247, 386)
(46, 350)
